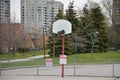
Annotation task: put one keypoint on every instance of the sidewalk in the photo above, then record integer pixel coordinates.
(25, 59)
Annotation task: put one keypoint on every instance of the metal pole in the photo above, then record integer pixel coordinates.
(74, 66)
(53, 45)
(92, 46)
(44, 41)
(75, 56)
(63, 54)
(113, 70)
(37, 69)
(37, 66)
(0, 67)
(92, 37)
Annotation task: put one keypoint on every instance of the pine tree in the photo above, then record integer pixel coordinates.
(93, 26)
(93, 29)
(85, 23)
(55, 40)
(76, 37)
(71, 16)
(99, 25)
(59, 15)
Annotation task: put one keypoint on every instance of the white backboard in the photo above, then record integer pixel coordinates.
(62, 25)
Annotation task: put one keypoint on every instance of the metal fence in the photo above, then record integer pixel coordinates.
(72, 68)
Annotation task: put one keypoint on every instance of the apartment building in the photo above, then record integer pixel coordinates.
(4, 11)
(38, 15)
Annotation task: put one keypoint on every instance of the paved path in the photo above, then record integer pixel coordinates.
(25, 59)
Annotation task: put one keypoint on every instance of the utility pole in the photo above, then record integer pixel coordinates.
(44, 41)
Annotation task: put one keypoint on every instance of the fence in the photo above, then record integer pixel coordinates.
(74, 67)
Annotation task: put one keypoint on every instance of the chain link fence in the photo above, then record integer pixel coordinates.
(74, 67)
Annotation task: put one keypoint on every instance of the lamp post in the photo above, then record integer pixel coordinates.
(44, 41)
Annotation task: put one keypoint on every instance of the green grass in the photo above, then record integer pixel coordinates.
(21, 55)
(24, 63)
(87, 58)
(109, 57)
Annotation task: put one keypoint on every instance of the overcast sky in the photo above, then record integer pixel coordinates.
(15, 5)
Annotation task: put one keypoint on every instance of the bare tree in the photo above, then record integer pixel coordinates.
(90, 4)
(107, 9)
(113, 31)
(107, 6)
(1, 38)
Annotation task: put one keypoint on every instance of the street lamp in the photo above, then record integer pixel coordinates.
(44, 41)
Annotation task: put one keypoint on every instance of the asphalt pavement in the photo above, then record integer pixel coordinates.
(71, 72)
(53, 78)
(82, 72)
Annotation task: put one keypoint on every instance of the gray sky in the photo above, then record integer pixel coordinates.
(15, 5)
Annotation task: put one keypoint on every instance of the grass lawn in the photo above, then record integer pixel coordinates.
(20, 55)
(24, 63)
(87, 58)
(110, 57)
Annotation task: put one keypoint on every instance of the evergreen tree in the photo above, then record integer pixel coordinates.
(72, 17)
(93, 26)
(99, 25)
(85, 23)
(55, 40)
(76, 37)
(59, 15)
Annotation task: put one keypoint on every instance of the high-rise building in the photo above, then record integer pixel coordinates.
(4, 11)
(38, 14)
(116, 12)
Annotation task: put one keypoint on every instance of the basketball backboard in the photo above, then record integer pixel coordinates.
(62, 26)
